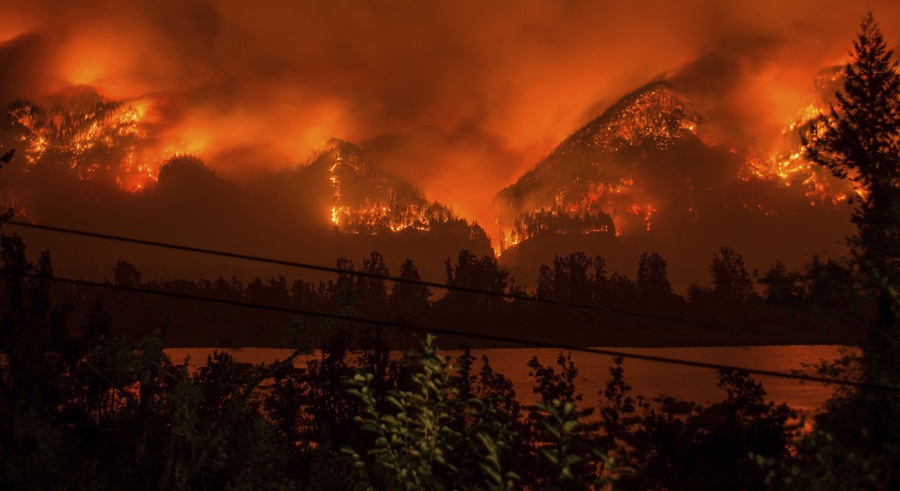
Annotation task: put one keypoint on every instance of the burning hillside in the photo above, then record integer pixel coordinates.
(638, 165)
(78, 131)
(366, 200)
(77, 135)
(786, 164)
(75, 156)
(590, 182)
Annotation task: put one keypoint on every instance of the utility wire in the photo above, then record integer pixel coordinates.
(363, 274)
(454, 332)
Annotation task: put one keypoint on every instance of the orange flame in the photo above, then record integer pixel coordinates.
(89, 135)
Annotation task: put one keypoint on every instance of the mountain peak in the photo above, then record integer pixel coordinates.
(575, 188)
(653, 116)
(365, 199)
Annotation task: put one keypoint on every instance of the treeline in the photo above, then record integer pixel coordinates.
(399, 212)
(558, 221)
(820, 303)
(100, 411)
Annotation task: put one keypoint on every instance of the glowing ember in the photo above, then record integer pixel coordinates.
(78, 130)
(605, 177)
(788, 166)
(582, 187)
(365, 200)
(644, 212)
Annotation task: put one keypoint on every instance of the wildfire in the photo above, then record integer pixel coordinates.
(337, 213)
(94, 138)
(588, 184)
(365, 200)
(789, 167)
(654, 116)
(758, 208)
(598, 179)
(644, 212)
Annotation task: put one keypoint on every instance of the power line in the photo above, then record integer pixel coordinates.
(454, 332)
(431, 284)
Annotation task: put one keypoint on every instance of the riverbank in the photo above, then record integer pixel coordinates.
(646, 377)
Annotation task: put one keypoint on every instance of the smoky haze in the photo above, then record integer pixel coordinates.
(457, 98)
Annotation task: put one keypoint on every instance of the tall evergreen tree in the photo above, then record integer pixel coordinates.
(470, 272)
(409, 299)
(859, 139)
(652, 279)
(730, 280)
(372, 291)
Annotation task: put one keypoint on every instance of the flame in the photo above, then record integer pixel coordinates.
(574, 181)
(365, 200)
(92, 137)
(645, 213)
(788, 166)
(588, 197)
(758, 208)
(583, 214)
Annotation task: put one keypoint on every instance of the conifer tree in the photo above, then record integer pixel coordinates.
(652, 279)
(859, 139)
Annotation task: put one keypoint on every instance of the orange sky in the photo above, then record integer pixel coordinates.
(457, 97)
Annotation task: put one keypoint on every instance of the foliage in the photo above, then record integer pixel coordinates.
(576, 461)
(730, 280)
(671, 443)
(859, 139)
(553, 386)
(480, 274)
(575, 278)
(102, 411)
(567, 452)
(416, 439)
(781, 286)
(652, 281)
(854, 440)
(822, 462)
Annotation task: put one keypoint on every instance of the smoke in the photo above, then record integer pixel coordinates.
(24, 65)
(458, 98)
(469, 162)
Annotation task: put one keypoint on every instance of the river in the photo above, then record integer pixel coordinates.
(645, 377)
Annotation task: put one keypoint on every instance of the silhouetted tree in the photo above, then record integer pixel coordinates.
(5, 159)
(35, 449)
(575, 278)
(676, 444)
(652, 281)
(98, 323)
(470, 272)
(859, 139)
(830, 284)
(341, 293)
(274, 291)
(730, 280)
(256, 291)
(550, 385)
(227, 290)
(372, 291)
(781, 286)
(409, 299)
(126, 274)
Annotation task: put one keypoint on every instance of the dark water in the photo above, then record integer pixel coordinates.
(647, 378)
